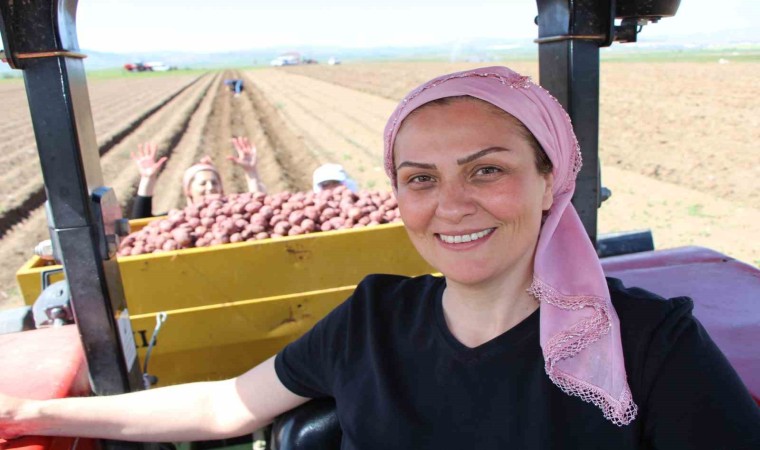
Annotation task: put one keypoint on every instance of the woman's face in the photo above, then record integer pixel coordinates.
(204, 183)
(469, 191)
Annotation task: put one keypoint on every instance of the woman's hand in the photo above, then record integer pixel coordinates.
(246, 154)
(145, 159)
(246, 158)
(9, 411)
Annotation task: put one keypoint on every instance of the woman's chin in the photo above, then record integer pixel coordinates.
(468, 277)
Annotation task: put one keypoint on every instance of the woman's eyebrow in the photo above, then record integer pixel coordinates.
(416, 164)
(480, 154)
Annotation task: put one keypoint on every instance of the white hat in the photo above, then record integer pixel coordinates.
(332, 172)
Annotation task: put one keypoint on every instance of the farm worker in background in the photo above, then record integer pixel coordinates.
(199, 180)
(328, 176)
(521, 344)
(235, 85)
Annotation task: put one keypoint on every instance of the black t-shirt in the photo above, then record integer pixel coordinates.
(401, 380)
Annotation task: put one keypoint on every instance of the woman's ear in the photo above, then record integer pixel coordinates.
(548, 198)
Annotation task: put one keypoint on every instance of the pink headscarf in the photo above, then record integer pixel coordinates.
(579, 329)
(187, 179)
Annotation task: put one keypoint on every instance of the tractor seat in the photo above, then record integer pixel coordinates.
(312, 426)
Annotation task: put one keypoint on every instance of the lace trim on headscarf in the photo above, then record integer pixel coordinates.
(514, 81)
(571, 341)
(576, 157)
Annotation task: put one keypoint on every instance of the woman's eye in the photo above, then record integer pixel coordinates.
(419, 179)
(488, 170)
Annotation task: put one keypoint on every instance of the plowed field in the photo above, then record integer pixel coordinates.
(678, 143)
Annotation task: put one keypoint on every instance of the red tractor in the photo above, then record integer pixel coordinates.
(135, 67)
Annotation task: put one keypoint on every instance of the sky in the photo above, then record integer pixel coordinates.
(124, 26)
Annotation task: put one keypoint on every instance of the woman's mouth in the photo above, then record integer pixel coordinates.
(462, 238)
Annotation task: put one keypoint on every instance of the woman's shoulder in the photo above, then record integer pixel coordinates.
(651, 329)
(641, 311)
(684, 385)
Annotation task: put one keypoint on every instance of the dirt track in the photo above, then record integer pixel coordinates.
(673, 166)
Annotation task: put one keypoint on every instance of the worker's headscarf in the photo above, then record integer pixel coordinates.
(332, 172)
(205, 163)
(579, 329)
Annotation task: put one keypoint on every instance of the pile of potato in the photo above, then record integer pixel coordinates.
(251, 216)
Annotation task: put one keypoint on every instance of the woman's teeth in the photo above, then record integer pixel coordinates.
(465, 237)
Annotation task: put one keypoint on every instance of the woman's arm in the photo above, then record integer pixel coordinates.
(188, 412)
(246, 158)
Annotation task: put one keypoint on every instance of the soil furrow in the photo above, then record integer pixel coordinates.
(333, 136)
(287, 147)
(216, 138)
(168, 192)
(276, 178)
(117, 137)
(30, 194)
(164, 126)
(355, 129)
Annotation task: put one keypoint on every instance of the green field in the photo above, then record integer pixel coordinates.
(107, 74)
(751, 54)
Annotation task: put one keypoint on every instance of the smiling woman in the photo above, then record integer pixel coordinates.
(522, 344)
(493, 283)
(470, 192)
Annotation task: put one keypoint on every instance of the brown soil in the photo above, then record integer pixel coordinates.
(678, 143)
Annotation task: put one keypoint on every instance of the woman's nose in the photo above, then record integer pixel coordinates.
(454, 202)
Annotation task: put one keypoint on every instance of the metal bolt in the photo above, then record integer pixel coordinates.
(44, 250)
(606, 193)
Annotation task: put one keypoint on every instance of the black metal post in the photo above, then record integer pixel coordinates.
(570, 34)
(40, 38)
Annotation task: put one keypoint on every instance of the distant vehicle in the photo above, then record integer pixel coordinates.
(135, 67)
(333, 61)
(286, 59)
(150, 66)
(158, 66)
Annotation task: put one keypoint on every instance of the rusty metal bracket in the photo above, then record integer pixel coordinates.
(49, 54)
(36, 55)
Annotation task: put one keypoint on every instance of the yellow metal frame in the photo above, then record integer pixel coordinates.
(232, 306)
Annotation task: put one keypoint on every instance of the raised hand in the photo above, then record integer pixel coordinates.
(145, 159)
(246, 154)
